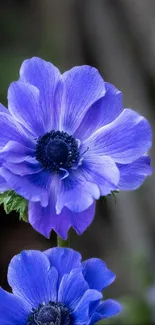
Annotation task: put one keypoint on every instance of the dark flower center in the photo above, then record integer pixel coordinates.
(56, 150)
(54, 313)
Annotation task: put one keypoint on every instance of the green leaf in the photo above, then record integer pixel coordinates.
(114, 194)
(14, 202)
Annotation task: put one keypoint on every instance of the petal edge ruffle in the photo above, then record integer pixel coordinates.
(83, 86)
(124, 140)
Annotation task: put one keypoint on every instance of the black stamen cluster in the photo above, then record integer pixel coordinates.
(57, 149)
(53, 313)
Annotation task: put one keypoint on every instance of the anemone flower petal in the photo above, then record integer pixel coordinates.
(24, 106)
(15, 152)
(12, 131)
(32, 187)
(125, 139)
(13, 310)
(109, 308)
(82, 87)
(3, 109)
(45, 76)
(106, 309)
(81, 312)
(3, 185)
(64, 259)
(32, 279)
(44, 219)
(24, 168)
(104, 277)
(76, 193)
(102, 171)
(102, 112)
(133, 175)
(72, 288)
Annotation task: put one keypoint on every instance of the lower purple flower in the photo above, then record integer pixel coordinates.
(55, 287)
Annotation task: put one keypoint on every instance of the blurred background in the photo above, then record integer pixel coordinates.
(118, 38)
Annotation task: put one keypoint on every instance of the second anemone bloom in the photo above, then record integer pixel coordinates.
(56, 288)
(65, 141)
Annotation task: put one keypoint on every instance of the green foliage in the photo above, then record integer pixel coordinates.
(114, 194)
(135, 311)
(14, 202)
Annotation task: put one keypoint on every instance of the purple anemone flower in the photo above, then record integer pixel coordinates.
(55, 288)
(65, 140)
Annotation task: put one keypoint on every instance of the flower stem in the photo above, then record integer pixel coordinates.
(62, 243)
